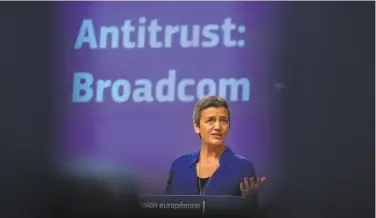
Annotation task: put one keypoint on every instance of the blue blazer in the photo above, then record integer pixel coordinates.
(225, 181)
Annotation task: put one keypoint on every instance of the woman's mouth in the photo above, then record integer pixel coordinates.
(217, 135)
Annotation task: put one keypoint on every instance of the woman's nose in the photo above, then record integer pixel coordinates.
(217, 126)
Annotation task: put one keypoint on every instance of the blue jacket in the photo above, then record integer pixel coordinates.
(225, 181)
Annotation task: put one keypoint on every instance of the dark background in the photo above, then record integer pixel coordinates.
(328, 109)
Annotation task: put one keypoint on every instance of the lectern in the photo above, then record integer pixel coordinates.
(197, 206)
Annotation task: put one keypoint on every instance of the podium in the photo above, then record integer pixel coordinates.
(197, 206)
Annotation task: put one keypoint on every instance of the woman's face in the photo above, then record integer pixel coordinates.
(214, 125)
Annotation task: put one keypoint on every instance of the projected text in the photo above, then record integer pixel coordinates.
(86, 88)
(155, 34)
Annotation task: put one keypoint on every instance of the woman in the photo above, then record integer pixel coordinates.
(214, 169)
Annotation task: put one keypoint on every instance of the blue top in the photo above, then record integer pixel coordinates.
(225, 180)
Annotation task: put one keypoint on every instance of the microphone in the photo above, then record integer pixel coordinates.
(169, 181)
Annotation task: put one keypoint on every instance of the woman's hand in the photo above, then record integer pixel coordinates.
(250, 188)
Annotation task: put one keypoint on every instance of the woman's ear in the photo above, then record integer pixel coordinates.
(196, 127)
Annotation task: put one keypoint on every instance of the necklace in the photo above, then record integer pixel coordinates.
(198, 172)
(199, 178)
